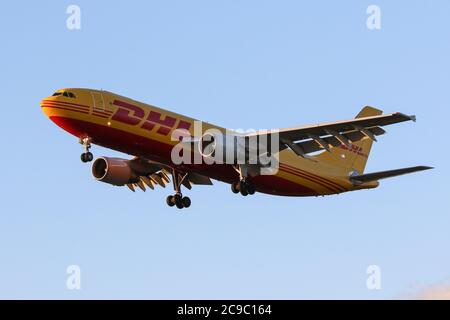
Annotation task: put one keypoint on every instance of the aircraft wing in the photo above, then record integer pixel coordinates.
(150, 174)
(308, 139)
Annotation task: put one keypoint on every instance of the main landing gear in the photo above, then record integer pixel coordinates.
(87, 156)
(177, 199)
(243, 186)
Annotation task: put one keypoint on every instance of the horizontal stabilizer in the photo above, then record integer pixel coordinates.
(385, 174)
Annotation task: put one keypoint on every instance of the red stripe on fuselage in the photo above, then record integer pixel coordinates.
(98, 112)
(71, 108)
(69, 103)
(306, 177)
(101, 115)
(64, 108)
(319, 178)
(64, 105)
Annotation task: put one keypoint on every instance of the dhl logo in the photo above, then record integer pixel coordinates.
(355, 149)
(133, 115)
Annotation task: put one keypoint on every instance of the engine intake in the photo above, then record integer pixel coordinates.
(114, 171)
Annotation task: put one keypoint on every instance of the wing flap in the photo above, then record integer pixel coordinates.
(337, 139)
(149, 174)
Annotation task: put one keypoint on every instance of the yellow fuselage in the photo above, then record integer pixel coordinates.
(143, 130)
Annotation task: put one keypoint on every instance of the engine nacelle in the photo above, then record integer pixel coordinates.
(114, 171)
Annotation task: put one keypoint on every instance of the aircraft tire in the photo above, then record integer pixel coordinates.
(186, 201)
(169, 201)
(243, 188)
(235, 187)
(178, 201)
(89, 156)
(250, 189)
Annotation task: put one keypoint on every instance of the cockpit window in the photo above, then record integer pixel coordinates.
(65, 94)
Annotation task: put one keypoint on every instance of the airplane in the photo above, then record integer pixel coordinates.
(315, 160)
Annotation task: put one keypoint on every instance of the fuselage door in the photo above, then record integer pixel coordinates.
(98, 102)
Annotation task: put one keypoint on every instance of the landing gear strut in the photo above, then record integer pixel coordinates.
(87, 156)
(177, 199)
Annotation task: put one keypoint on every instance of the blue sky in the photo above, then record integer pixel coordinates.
(252, 64)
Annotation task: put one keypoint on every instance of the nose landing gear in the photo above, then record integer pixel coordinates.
(87, 156)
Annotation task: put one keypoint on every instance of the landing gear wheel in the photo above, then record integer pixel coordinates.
(186, 201)
(178, 201)
(87, 157)
(250, 189)
(235, 187)
(244, 192)
(170, 201)
(243, 188)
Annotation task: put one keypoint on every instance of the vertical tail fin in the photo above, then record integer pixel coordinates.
(355, 158)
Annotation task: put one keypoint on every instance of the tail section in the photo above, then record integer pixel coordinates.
(353, 158)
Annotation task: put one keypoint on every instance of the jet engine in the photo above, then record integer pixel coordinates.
(114, 171)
